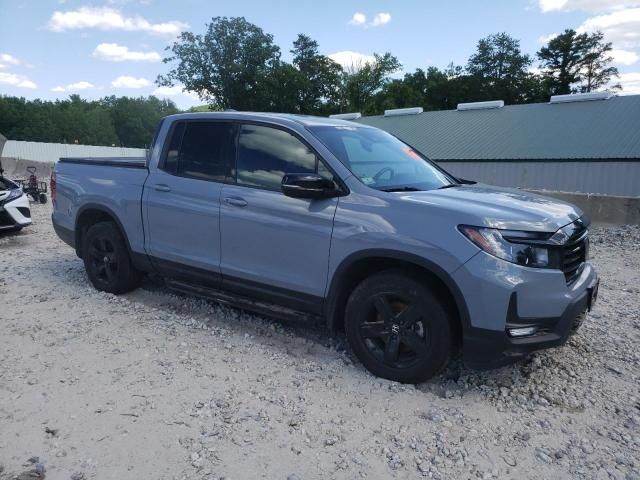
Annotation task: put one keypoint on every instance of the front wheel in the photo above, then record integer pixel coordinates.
(397, 328)
(107, 261)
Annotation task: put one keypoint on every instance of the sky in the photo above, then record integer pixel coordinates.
(54, 48)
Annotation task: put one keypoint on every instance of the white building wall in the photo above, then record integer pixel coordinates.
(51, 152)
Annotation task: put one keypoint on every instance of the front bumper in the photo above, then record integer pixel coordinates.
(15, 213)
(501, 297)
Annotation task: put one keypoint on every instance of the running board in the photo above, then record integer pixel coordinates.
(239, 301)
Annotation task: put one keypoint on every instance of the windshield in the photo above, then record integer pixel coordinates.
(380, 160)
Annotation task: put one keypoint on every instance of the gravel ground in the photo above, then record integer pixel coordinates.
(157, 385)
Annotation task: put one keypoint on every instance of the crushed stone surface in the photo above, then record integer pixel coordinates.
(163, 386)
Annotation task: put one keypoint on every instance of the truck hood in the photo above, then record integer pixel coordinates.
(504, 208)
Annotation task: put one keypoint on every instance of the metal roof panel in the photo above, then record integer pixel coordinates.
(603, 129)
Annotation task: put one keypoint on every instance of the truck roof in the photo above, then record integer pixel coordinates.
(304, 120)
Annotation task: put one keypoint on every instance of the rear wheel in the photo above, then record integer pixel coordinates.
(397, 328)
(42, 198)
(107, 261)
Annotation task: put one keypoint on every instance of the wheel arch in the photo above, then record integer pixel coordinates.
(92, 213)
(357, 266)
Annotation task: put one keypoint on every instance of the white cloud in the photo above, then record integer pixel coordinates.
(630, 83)
(126, 81)
(175, 91)
(349, 59)
(8, 59)
(624, 57)
(15, 80)
(119, 53)
(594, 6)
(621, 27)
(358, 19)
(551, 5)
(618, 20)
(381, 18)
(105, 18)
(73, 87)
(544, 39)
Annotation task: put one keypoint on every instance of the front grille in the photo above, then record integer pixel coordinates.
(574, 253)
(25, 212)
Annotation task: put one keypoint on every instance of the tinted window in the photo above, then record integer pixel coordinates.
(200, 150)
(266, 154)
(171, 159)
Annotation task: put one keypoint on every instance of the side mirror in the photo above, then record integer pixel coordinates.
(308, 185)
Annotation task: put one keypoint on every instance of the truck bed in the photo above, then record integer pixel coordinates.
(113, 185)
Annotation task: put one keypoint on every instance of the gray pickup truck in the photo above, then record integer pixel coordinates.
(321, 219)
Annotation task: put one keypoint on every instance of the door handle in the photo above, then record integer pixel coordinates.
(235, 201)
(161, 187)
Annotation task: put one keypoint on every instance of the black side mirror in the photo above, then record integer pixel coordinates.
(308, 185)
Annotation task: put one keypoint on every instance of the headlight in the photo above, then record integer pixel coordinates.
(13, 194)
(512, 246)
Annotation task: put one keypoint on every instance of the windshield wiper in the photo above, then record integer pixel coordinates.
(451, 185)
(402, 189)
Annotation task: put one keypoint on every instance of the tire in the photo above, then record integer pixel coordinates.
(42, 198)
(107, 261)
(397, 328)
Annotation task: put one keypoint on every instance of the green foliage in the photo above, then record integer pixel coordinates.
(236, 65)
(434, 89)
(362, 82)
(318, 78)
(136, 119)
(597, 70)
(201, 109)
(576, 62)
(284, 85)
(499, 69)
(122, 121)
(228, 66)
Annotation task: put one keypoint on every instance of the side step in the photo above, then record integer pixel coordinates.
(245, 303)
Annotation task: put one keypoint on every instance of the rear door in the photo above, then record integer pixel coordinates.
(273, 246)
(182, 200)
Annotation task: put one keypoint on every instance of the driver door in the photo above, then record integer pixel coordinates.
(273, 246)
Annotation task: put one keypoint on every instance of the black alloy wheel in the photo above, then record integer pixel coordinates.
(107, 260)
(103, 259)
(398, 328)
(394, 330)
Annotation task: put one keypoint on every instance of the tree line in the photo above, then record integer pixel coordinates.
(236, 65)
(117, 121)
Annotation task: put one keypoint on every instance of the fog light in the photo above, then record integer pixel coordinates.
(522, 332)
